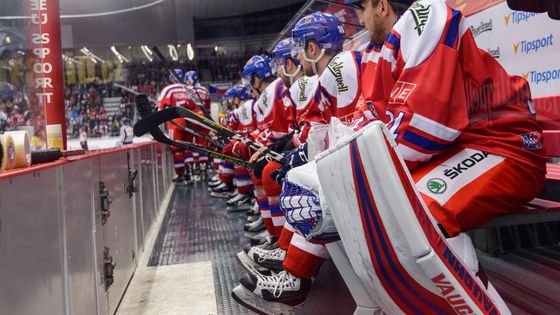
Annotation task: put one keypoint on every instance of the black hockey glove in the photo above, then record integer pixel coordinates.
(259, 165)
(294, 158)
(281, 144)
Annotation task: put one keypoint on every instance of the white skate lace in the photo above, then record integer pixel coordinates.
(275, 253)
(278, 282)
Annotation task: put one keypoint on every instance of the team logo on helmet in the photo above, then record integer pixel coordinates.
(437, 186)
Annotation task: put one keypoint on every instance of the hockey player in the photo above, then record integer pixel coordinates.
(272, 108)
(319, 38)
(222, 120)
(199, 102)
(191, 78)
(245, 125)
(222, 187)
(175, 95)
(464, 127)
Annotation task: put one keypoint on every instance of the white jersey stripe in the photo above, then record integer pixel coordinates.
(315, 249)
(409, 154)
(434, 128)
(471, 163)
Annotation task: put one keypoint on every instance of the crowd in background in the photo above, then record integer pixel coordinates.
(85, 108)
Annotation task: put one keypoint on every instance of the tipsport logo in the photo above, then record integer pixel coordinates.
(541, 77)
(532, 46)
(518, 17)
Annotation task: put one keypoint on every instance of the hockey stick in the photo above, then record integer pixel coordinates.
(143, 106)
(189, 130)
(155, 119)
(189, 90)
(198, 134)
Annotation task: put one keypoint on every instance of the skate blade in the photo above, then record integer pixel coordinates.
(250, 234)
(258, 305)
(250, 266)
(240, 208)
(219, 196)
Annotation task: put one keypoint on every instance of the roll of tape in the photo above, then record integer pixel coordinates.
(8, 147)
(22, 144)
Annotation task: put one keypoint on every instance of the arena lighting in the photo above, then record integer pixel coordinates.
(8, 40)
(216, 48)
(91, 55)
(147, 52)
(173, 52)
(190, 52)
(120, 57)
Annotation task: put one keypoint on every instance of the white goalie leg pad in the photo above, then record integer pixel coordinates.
(391, 239)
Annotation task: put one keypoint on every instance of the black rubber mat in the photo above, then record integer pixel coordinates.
(197, 228)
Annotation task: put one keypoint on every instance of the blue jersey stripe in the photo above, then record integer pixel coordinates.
(453, 28)
(423, 142)
(395, 41)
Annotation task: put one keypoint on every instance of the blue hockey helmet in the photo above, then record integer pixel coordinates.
(228, 95)
(242, 92)
(259, 65)
(283, 51)
(358, 2)
(191, 77)
(179, 75)
(7, 91)
(323, 28)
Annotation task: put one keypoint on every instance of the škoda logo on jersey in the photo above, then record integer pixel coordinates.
(401, 92)
(483, 27)
(335, 67)
(465, 165)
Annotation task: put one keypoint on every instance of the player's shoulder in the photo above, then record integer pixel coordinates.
(272, 92)
(419, 30)
(168, 90)
(303, 90)
(344, 63)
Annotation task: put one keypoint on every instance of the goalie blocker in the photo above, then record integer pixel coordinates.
(399, 254)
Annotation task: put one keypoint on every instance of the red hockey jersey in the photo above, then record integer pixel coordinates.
(436, 90)
(245, 117)
(272, 111)
(173, 95)
(305, 95)
(341, 86)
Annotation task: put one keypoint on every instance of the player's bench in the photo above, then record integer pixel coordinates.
(536, 223)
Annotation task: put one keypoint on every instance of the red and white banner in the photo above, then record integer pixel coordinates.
(44, 56)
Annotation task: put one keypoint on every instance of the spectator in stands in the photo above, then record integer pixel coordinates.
(83, 138)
